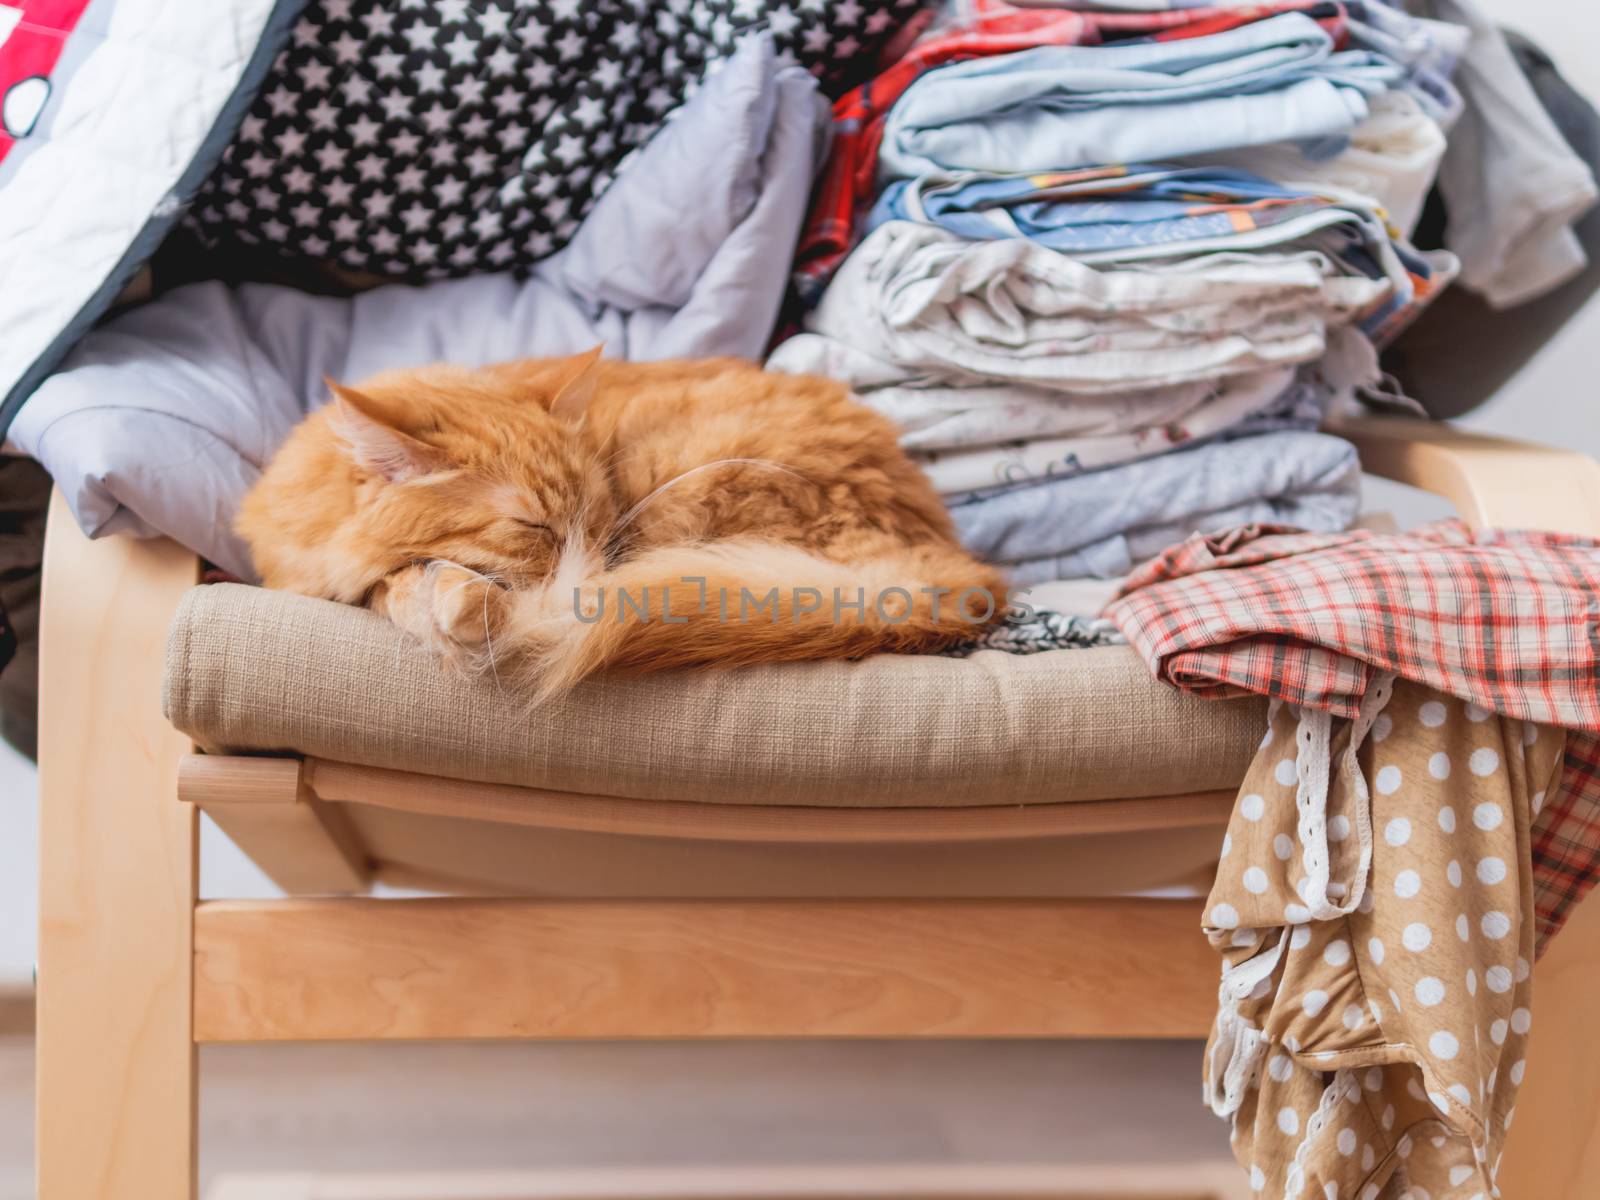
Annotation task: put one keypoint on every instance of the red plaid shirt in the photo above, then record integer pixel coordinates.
(981, 29)
(1508, 621)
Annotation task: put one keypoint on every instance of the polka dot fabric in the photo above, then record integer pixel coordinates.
(432, 138)
(1502, 618)
(1376, 989)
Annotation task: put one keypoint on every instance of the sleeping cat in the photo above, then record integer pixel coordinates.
(553, 517)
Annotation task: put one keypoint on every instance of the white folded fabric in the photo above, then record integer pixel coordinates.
(934, 309)
(1228, 405)
(935, 416)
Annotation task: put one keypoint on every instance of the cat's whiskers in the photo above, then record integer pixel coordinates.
(488, 645)
(494, 580)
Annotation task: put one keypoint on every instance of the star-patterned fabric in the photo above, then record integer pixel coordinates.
(434, 138)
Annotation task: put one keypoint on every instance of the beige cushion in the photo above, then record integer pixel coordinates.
(249, 669)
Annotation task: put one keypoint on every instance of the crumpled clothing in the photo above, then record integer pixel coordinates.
(938, 309)
(1059, 107)
(1373, 906)
(1427, 49)
(1463, 351)
(1503, 619)
(1145, 212)
(1417, 602)
(417, 140)
(1512, 185)
(1038, 632)
(1103, 523)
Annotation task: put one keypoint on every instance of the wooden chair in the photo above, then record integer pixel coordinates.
(135, 973)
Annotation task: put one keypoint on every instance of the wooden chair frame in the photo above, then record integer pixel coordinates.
(134, 973)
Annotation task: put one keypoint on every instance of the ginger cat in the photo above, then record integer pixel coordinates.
(553, 517)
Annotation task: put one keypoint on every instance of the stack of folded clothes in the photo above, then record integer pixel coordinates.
(1109, 265)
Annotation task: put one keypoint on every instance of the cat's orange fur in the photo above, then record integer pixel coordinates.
(467, 505)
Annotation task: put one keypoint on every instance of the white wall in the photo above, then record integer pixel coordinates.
(1556, 400)
(19, 833)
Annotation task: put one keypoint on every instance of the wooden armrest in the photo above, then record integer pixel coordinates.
(1492, 481)
(117, 874)
(119, 590)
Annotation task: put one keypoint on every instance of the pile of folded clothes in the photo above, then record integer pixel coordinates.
(1110, 265)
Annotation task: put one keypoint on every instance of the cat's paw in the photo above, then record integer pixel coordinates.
(445, 606)
(468, 610)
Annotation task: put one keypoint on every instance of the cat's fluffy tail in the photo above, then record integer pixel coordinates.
(740, 602)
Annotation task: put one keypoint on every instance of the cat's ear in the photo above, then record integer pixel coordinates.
(375, 445)
(572, 397)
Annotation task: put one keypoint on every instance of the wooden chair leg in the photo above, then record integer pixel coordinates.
(1553, 1151)
(117, 865)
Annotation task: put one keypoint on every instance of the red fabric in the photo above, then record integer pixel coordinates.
(985, 27)
(1565, 837)
(1506, 620)
(62, 16)
(31, 52)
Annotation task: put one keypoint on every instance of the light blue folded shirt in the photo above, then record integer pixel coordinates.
(1103, 523)
(1058, 107)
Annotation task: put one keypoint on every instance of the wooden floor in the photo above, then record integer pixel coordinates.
(357, 1122)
